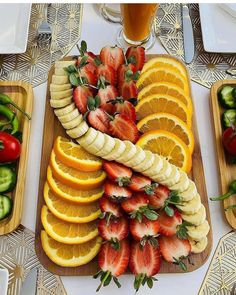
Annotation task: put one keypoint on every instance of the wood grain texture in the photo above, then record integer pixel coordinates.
(52, 128)
(22, 94)
(227, 171)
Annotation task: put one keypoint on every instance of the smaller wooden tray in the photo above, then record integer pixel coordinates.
(22, 94)
(227, 171)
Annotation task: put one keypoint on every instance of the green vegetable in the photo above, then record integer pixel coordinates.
(231, 191)
(11, 116)
(5, 206)
(5, 99)
(229, 118)
(7, 179)
(226, 98)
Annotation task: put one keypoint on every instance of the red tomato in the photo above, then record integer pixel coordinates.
(229, 140)
(9, 147)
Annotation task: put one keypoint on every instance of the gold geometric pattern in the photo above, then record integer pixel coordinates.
(33, 65)
(17, 254)
(221, 274)
(206, 68)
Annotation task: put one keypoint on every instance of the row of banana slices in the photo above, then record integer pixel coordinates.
(133, 156)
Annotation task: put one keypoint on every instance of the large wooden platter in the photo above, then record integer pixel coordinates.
(52, 128)
(227, 170)
(22, 94)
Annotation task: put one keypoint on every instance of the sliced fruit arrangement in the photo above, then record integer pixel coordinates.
(74, 185)
(151, 214)
(165, 111)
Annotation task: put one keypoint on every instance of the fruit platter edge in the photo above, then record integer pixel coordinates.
(52, 129)
(22, 94)
(226, 171)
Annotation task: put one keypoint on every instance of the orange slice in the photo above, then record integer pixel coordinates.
(163, 74)
(168, 145)
(165, 61)
(76, 178)
(166, 88)
(163, 103)
(70, 194)
(70, 255)
(73, 155)
(66, 232)
(168, 122)
(68, 211)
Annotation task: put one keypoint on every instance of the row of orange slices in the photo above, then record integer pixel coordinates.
(164, 111)
(74, 185)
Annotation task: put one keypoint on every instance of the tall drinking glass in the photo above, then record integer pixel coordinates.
(137, 20)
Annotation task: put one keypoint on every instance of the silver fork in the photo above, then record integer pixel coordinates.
(44, 30)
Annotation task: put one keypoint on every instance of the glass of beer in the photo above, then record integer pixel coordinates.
(137, 20)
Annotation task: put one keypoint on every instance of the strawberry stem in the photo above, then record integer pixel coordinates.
(103, 279)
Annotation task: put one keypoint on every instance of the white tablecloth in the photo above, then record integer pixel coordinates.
(97, 33)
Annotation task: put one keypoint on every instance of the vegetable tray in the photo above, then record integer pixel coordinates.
(22, 94)
(52, 129)
(227, 171)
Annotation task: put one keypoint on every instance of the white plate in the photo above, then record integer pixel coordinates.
(218, 27)
(14, 26)
(3, 281)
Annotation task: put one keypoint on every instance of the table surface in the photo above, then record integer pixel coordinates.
(97, 33)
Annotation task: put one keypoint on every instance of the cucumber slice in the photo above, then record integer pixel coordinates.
(7, 179)
(229, 118)
(5, 206)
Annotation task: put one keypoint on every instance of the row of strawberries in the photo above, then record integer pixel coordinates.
(105, 88)
(129, 206)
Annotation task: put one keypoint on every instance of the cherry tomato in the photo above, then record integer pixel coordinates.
(10, 147)
(229, 140)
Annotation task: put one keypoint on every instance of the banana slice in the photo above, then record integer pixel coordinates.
(78, 131)
(60, 72)
(146, 163)
(69, 117)
(155, 168)
(118, 150)
(190, 207)
(60, 103)
(60, 79)
(88, 138)
(62, 87)
(97, 144)
(183, 183)
(164, 173)
(64, 63)
(189, 193)
(173, 178)
(73, 123)
(198, 232)
(65, 110)
(108, 146)
(61, 94)
(196, 218)
(198, 246)
(137, 159)
(129, 152)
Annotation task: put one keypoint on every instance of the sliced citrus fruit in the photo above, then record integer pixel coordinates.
(76, 178)
(71, 194)
(70, 255)
(166, 88)
(68, 211)
(73, 155)
(168, 145)
(66, 232)
(163, 74)
(168, 122)
(163, 103)
(165, 61)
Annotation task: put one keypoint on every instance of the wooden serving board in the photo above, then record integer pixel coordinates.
(52, 129)
(22, 94)
(227, 171)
